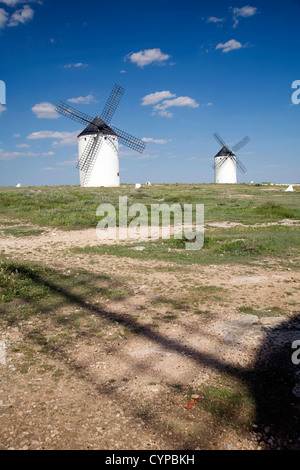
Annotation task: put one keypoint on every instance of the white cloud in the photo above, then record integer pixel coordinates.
(76, 66)
(45, 111)
(82, 99)
(154, 141)
(162, 102)
(17, 136)
(126, 153)
(68, 162)
(147, 57)
(123, 71)
(155, 98)
(180, 102)
(22, 146)
(61, 139)
(162, 112)
(231, 45)
(12, 155)
(2, 109)
(48, 154)
(146, 156)
(12, 3)
(244, 12)
(22, 16)
(214, 19)
(3, 18)
(51, 169)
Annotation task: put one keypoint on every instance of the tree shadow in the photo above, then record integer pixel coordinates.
(271, 380)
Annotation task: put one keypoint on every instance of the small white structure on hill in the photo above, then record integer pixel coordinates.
(290, 189)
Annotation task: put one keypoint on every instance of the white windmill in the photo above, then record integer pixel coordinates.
(226, 162)
(98, 143)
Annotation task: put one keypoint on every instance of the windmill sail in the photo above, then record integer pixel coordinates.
(224, 172)
(92, 152)
(112, 103)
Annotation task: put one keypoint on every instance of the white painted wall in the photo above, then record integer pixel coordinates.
(227, 173)
(106, 168)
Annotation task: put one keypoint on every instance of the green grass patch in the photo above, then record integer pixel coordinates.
(72, 207)
(235, 245)
(21, 231)
(28, 289)
(265, 312)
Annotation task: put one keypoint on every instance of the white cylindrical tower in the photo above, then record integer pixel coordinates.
(104, 167)
(225, 173)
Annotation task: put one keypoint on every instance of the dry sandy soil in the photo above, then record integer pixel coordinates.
(127, 387)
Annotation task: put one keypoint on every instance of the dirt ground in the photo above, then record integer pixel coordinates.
(128, 387)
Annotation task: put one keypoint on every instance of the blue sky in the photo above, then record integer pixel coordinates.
(189, 69)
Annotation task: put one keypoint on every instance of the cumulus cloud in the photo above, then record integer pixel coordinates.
(61, 139)
(155, 98)
(45, 111)
(72, 162)
(2, 109)
(146, 156)
(22, 146)
(78, 65)
(22, 16)
(231, 45)
(214, 19)
(147, 57)
(180, 102)
(126, 153)
(12, 3)
(244, 12)
(48, 154)
(3, 18)
(162, 104)
(12, 155)
(82, 99)
(154, 141)
(49, 168)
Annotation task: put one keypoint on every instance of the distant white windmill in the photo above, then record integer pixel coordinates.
(226, 162)
(98, 143)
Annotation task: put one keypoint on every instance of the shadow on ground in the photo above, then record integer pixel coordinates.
(271, 380)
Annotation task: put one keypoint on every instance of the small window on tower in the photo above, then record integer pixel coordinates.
(118, 174)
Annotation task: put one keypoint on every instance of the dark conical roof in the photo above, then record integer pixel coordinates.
(94, 128)
(224, 152)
